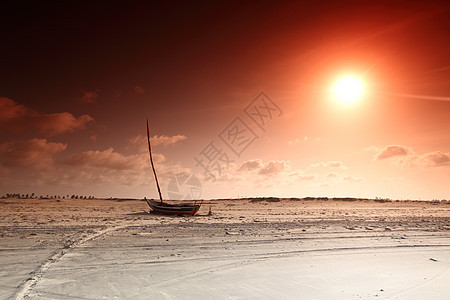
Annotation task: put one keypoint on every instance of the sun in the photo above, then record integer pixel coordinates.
(348, 89)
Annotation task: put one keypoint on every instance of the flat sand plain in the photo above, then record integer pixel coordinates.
(246, 249)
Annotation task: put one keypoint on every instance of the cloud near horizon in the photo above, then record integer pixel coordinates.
(35, 153)
(251, 165)
(272, 168)
(408, 158)
(299, 176)
(257, 171)
(351, 178)
(109, 159)
(427, 160)
(328, 164)
(15, 118)
(392, 151)
(305, 139)
(140, 141)
(332, 175)
(435, 159)
(89, 168)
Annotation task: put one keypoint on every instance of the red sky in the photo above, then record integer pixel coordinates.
(80, 79)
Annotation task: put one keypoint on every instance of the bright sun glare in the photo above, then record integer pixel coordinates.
(348, 89)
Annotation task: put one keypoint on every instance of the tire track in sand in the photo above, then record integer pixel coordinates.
(25, 287)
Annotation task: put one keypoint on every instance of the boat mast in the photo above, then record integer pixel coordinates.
(151, 160)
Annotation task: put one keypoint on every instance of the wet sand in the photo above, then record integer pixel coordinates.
(247, 249)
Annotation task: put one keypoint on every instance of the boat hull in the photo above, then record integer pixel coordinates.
(172, 209)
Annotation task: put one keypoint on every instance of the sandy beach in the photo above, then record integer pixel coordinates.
(246, 249)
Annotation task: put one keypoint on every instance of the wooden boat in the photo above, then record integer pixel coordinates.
(173, 209)
(161, 206)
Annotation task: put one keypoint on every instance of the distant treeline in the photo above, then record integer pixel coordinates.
(252, 199)
(347, 199)
(33, 196)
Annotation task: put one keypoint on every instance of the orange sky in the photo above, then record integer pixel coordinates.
(79, 81)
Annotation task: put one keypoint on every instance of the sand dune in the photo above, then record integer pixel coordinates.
(247, 249)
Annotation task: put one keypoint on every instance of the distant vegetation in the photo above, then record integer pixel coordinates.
(252, 199)
(345, 199)
(33, 196)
